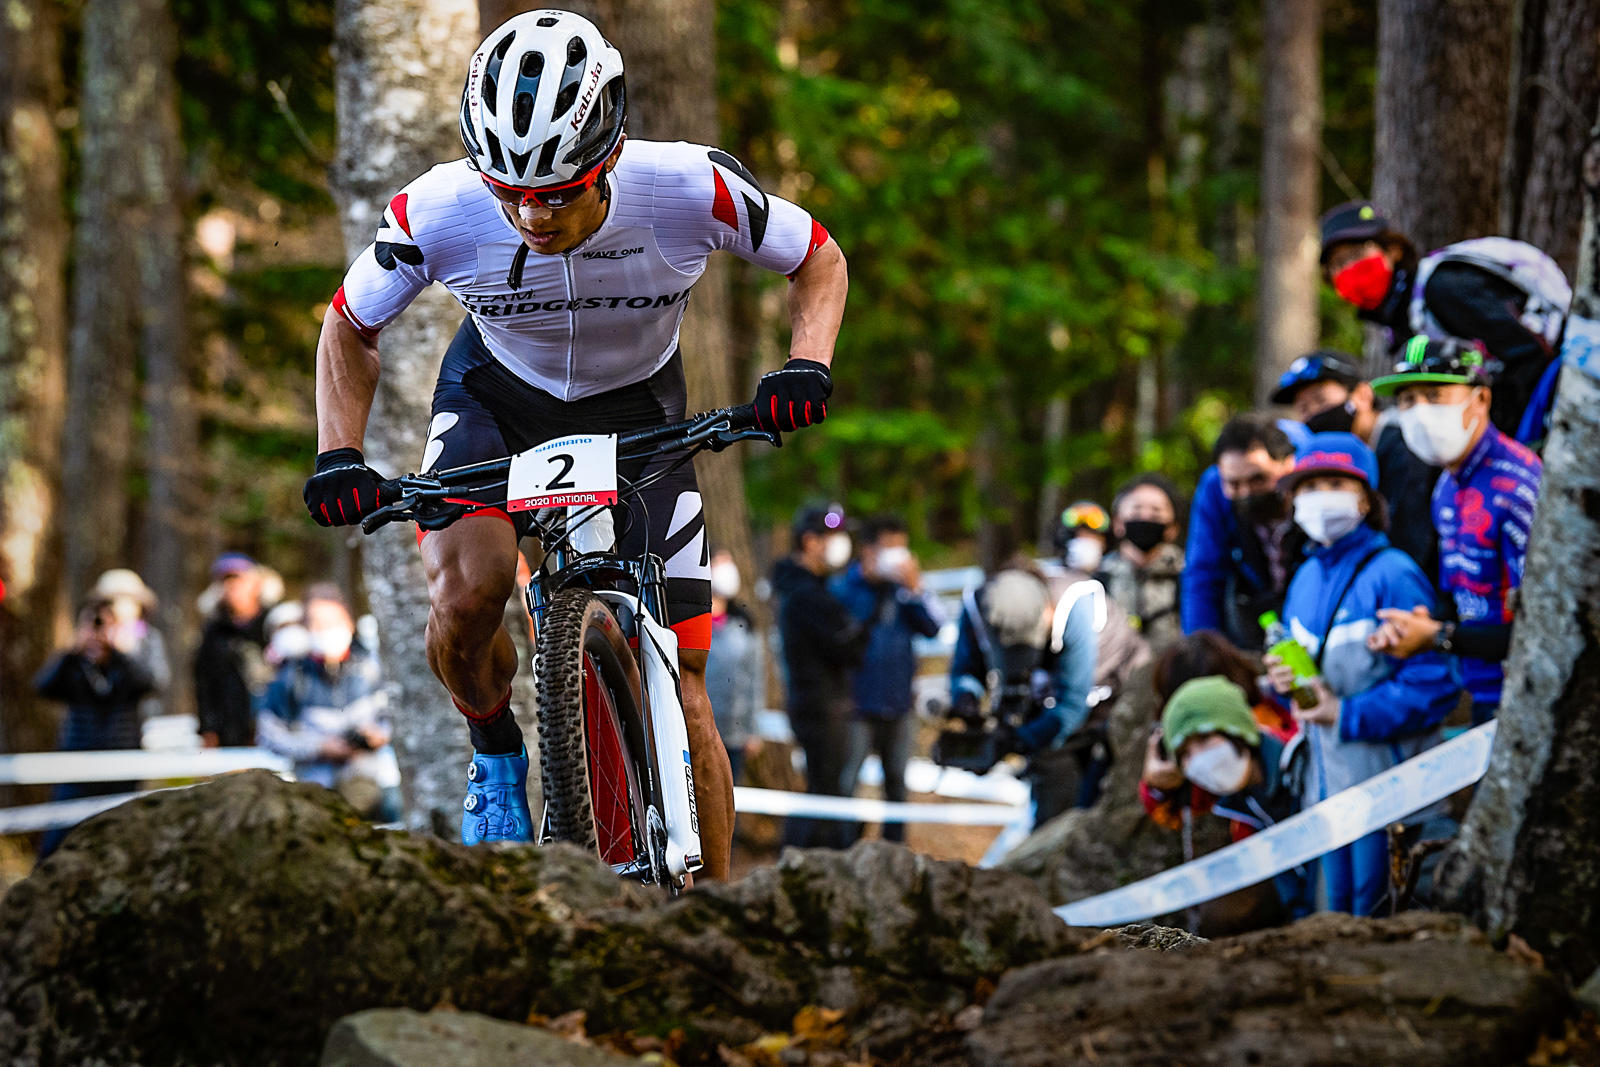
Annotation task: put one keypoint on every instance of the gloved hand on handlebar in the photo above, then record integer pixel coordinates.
(344, 488)
(794, 396)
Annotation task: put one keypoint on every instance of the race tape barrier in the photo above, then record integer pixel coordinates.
(749, 800)
(31, 818)
(1342, 818)
(132, 765)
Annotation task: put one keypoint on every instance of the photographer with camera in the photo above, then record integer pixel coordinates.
(325, 711)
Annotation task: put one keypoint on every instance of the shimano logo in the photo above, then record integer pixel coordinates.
(613, 253)
(588, 96)
(694, 812)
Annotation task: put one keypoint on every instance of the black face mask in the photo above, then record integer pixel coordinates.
(1144, 534)
(1259, 509)
(1341, 418)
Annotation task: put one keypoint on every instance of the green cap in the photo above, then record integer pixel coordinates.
(1440, 362)
(1211, 705)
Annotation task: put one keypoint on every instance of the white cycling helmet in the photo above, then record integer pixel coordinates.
(544, 100)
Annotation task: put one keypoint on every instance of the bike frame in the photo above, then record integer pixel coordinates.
(581, 551)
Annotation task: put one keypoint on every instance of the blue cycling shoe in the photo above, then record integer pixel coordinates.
(496, 808)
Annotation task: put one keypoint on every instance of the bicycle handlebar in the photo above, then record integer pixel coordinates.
(711, 429)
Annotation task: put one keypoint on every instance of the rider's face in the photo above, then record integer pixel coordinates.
(553, 231)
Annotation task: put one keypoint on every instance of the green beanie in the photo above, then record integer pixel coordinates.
(1211, 705)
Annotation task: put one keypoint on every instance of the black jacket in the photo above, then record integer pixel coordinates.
(1407, 486)
(229, 673)
(821, 641)
(102, 700)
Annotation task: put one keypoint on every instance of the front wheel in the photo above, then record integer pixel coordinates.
(592, 747)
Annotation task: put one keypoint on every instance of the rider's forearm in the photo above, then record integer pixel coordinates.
(347, 379)
(816, 304)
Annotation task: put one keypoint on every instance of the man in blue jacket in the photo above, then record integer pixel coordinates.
(1235, 567)
(882, 590)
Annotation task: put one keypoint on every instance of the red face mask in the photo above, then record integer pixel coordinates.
(1365, 282)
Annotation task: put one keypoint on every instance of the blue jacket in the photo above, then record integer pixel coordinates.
(310, 702)
(1390, 709)
(1484, 512)
(892, 615)
(1211, 552)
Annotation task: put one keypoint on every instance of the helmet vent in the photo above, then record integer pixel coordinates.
(533, 64)
(548, 20)
(519, 161)
(576, 52)
(547, 157)
(497, 158)
(522, 114)
(491, 89)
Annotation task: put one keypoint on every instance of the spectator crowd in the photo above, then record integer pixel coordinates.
(1338, 591)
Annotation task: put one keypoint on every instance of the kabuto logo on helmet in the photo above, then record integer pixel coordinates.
(588, 97)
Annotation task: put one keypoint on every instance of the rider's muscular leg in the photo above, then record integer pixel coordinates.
(713, 777)
(471, 568)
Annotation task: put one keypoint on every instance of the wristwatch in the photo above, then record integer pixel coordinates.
(1444, 639)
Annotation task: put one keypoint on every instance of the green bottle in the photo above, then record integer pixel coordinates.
(1294, 654)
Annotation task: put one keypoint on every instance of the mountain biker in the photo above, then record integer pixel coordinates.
(580, 336)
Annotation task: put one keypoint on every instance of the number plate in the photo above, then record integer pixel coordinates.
(568, 470)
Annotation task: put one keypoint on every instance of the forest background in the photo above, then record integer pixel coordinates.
(1070, 226)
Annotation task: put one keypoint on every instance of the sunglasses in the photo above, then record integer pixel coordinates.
(1091, 517)
(554, 198)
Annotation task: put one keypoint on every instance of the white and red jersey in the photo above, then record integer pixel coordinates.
(603, 315)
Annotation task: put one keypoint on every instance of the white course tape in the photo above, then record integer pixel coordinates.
(752, 801)
(31, 818)
(1334, 823)
(132, 765)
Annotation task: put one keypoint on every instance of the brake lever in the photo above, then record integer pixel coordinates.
(388, 513)
(723, 438)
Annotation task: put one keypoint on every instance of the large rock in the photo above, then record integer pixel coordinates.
(1332, 990)
(236, 922)
(399, 1037)
(1086, 852)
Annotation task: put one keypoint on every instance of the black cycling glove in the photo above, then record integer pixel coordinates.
(793, 397)
(344, 489)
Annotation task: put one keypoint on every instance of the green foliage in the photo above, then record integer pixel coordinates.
(988, 171)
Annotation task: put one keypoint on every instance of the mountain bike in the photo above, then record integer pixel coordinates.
(613, 745)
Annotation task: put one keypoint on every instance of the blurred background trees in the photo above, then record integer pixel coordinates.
(1051, 210)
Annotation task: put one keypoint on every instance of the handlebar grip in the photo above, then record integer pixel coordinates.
(742, 417)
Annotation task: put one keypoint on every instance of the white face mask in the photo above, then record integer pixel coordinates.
(1084, 553)
(330, 645)
(892, 561)
(1327, 514)
(289, 642)
(1435, 432)
(836, 551)
(725, 579)
(1220, 770)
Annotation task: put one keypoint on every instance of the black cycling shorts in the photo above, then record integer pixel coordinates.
(483, 411)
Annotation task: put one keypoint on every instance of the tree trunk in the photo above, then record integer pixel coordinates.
(1528, 857)
(668, 47)
(33, 240)
(172, 442)
(1555, 88)
(1287, 323)
(1441, 109)
(400, 65)
(120, 75)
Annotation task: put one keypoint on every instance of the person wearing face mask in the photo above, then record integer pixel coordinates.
(1142, 575)
(883, 591)
(1326, 390)
(1483, 507)
(1372, 710)
(1507, 293)
(325, 710)
(736, 673)
(1235, 768)
(1238, 561)
(822, 644)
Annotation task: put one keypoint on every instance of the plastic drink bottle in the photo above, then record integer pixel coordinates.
(1294, 655)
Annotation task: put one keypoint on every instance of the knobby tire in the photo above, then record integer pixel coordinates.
(591, 732)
